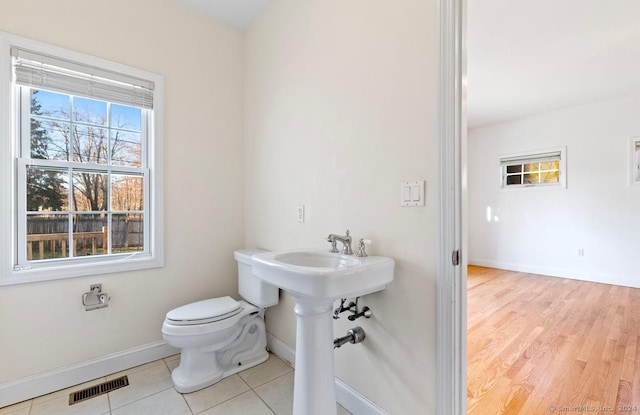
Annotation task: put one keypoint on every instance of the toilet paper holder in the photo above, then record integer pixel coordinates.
(95, 298)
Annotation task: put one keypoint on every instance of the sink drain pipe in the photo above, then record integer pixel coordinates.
(354, 335)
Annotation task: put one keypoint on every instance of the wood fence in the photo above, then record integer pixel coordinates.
(48, 236)
(83, 242)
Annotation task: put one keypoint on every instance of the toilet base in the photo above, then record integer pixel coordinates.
(200, 367)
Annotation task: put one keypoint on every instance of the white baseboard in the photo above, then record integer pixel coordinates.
(43, 383)
(281, 349)
(553, 272)
(352, 400)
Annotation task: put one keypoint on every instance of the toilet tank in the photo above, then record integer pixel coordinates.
(250, 287)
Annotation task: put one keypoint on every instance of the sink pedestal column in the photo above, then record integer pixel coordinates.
(314, 390)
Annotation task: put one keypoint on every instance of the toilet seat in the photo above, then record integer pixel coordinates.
(205, 311)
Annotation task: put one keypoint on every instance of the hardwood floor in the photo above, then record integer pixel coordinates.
(542, 345)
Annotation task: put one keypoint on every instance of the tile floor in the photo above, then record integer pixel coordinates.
(266, 389)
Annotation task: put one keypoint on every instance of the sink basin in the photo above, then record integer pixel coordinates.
(321, 274)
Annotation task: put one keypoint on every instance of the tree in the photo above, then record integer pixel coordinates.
(46, 190)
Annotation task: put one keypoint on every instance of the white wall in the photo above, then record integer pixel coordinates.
(541, 230)
(340, 107)
(44, 325)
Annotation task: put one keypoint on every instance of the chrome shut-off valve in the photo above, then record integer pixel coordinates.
(354, 335)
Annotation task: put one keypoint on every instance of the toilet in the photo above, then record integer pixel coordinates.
(221, 336)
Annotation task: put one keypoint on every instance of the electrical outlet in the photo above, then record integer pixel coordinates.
(581, 252)
(300, 210)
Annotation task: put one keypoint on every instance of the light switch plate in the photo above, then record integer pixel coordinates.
(412, 193)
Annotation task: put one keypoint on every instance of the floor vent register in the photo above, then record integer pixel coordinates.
(97, 390)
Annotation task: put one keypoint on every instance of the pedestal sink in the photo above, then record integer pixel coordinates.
(315, 279)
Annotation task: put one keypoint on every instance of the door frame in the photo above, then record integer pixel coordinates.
(451, 342)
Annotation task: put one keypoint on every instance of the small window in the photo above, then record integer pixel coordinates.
(87, 157)
(536, 169)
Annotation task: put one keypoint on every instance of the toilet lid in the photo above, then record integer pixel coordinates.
(205, 311)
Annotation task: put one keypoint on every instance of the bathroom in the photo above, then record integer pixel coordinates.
(327, 104)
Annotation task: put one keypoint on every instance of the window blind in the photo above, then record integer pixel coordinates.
(37, 70)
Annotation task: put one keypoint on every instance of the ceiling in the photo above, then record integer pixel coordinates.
(523, 57)
(528, 57)
(237, 13)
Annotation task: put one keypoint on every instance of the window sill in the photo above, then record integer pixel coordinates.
(554, 186)
(78, 269)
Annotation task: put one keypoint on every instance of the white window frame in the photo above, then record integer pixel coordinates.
(634, 161)
(11, 209)
(528, 156)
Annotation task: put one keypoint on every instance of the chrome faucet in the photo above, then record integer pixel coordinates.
(346, 243)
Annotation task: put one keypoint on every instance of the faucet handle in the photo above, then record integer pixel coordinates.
(334, 248)
(346, 244)
(332, 240)
(361, 247)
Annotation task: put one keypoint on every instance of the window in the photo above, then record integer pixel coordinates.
(537, 169)
(86, 156)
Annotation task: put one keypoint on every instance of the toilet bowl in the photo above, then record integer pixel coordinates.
(220, 336)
